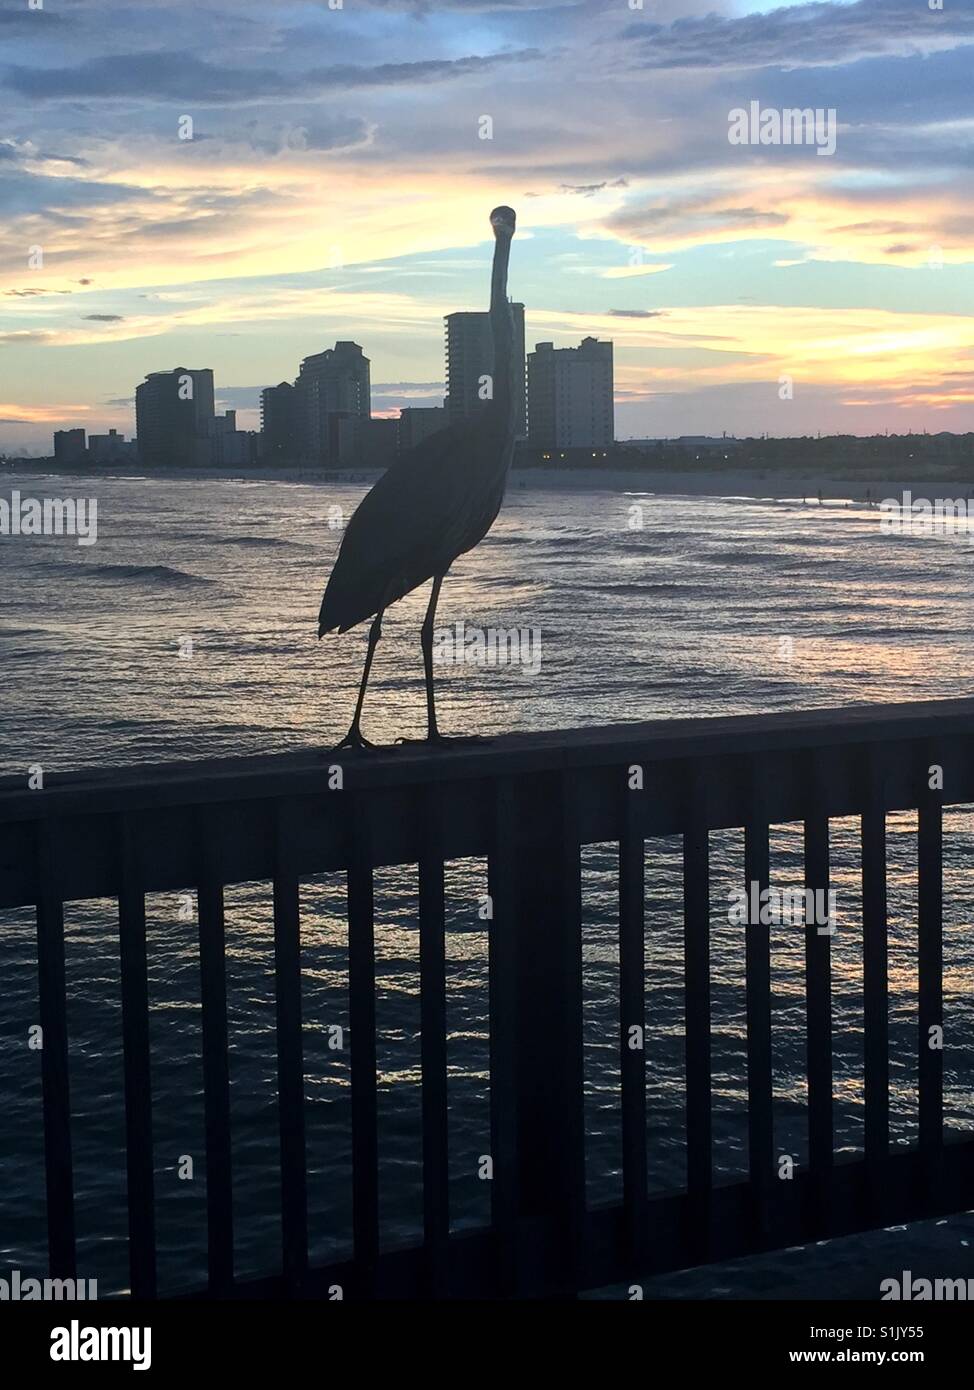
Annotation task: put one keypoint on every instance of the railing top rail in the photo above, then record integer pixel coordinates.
(307, 770)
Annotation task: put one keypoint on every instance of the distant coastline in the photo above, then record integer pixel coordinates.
(690, 481)
(860, 467)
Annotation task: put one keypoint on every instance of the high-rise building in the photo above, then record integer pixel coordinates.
(417, 422)
(280, 423)
(69, 446)
(570, 395)
(470, 357)
(332, 385)
(173, 417)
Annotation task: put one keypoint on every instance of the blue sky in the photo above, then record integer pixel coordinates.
(336, 186)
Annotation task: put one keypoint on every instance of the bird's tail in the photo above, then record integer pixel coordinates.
(336, 613)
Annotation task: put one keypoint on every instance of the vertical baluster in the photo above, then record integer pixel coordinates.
(502, 965)
(758, 988)
(361, 987)
(54, 1057)
(818, 1018)
(290, 1055)
(632, 1016)
(550, 1070)
(930, 982)
(696, 936)
(432, 954)
(569, 943)
(875, 978)
(216, 1064)
(135, 1047)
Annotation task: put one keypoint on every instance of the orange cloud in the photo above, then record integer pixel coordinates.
(45, 414)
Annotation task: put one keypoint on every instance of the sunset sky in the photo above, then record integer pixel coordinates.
(336, 186)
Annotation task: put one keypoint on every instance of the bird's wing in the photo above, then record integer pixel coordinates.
(403, 530)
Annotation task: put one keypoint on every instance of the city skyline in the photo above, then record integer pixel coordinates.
(341, 163)
(468, 346)
(324, 416)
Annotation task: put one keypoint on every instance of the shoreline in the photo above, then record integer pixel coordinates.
(724, 483)
(744, 483)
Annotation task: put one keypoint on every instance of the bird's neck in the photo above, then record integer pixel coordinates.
(501, 325)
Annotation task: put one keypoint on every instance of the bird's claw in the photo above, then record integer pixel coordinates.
(352, 740)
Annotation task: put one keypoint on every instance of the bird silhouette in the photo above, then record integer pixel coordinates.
(436, 502)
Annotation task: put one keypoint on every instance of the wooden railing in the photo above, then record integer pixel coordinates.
(527, 803)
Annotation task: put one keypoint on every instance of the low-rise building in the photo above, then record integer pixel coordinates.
(417, 423)
(108, 448)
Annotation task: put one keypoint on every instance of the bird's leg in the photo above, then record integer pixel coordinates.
(355, 738)
(426, 641)
(433, 734)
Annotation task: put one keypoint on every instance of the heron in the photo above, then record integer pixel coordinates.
(437, 501)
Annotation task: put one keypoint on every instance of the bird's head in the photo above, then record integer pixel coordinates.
(502, 220)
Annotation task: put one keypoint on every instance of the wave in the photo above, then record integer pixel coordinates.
(637, 590)
(143, 574)
(581, 541)
(259, 540)
(739, 557)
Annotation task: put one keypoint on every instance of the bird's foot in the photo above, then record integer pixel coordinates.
(352, 740)
(438, 740)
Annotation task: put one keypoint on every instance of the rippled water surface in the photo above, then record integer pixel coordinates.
(188, 630)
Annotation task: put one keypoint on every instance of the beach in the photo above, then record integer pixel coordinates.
(777, 485)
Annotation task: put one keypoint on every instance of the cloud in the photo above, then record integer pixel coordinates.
(181, 76)
(408, 385)
(23, 337)
(238, 397)
(588, 190)
(698, 217)
(22, 192)
(636, 313)
(338, 132)
(425, 7)
(628, 272)
(29, 20)
(811, 35)
(26, 151)
(404, 400)
(51, 157)
(103, 318)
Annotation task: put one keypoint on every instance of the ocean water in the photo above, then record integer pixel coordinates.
(189, 629)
